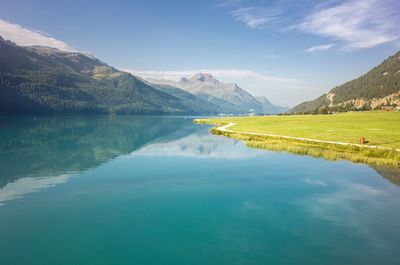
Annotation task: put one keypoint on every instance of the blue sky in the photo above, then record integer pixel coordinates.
(288, 51)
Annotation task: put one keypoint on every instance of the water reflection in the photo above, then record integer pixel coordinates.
(50, 146)
(391, 174)
(172, 182)
(37, 153)
(201, 145)
(41, 152)
(347, 203)
(25, 185)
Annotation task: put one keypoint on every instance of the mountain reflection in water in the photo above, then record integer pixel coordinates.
(41, 152)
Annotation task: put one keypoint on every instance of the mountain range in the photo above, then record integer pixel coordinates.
(229, 97)
(37, 79)
(377, 89)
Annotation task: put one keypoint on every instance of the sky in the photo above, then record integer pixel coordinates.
(287, 51)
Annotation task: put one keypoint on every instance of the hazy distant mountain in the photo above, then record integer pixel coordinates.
(42, 79)
(270, 108)
(192, 102)
(380, 87)
(228, 96)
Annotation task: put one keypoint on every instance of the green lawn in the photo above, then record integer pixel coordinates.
(380, 128)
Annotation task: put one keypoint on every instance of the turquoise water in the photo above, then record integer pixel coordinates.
(151, 190)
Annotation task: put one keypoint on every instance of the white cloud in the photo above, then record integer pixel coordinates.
(357, 23)
(229, 3)
(280, 90)
(27, 37)
(320, 48)
(256, 17)
(316, 182)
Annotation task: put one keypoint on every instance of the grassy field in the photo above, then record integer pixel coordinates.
(379, 128)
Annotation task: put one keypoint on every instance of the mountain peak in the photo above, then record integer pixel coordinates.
(5, 41)
(263, 100)
(204, 77)
(44, 49)
(229, 97)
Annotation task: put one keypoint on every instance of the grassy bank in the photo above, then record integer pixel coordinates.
(381, 129)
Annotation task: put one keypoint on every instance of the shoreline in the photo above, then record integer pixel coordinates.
(330, 150)
(224, 128)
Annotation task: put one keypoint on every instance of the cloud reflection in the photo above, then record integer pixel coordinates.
(202, 146)
(23, 186)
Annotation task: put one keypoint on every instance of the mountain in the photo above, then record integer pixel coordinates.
(229, 97)
(378, 88)
(269, 108)
(42, 79)
(193, 103)
(39, 79)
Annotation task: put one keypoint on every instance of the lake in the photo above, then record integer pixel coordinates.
(162, 190)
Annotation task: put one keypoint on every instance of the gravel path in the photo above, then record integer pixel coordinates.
(225, 129)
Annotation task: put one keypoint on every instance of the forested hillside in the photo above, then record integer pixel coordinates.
(380, 87)
(41, 79)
